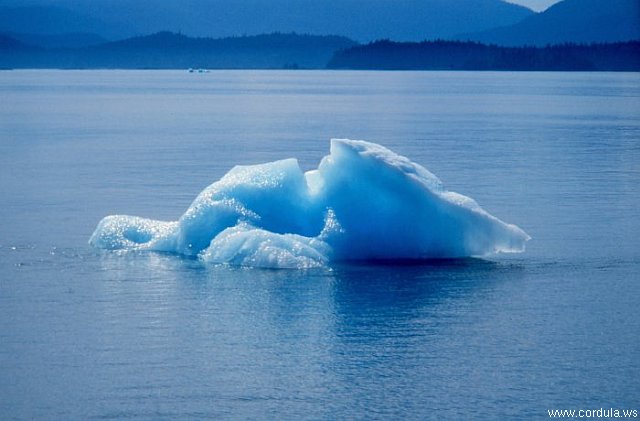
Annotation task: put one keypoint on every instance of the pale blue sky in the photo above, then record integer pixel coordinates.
(537, 5)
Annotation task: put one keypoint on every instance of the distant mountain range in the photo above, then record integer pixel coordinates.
(166, 50)
(75, 33)
(81, 23)
(66, 40)
(361, 20)
(577, 21)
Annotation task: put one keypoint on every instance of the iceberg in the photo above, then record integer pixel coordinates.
(363, 202)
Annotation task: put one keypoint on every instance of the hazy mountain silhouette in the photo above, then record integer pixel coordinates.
(68, 34)
(579, 21)
(67, 40)
(50, 20)
(9, 44)
(357, 19)
(166, 50)
(275, 50)
(456, 55)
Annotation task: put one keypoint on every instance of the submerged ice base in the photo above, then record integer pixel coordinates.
(364, 202)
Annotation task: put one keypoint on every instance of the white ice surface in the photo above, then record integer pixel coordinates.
(363, 202)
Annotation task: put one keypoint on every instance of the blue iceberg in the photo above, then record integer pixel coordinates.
(364, 202)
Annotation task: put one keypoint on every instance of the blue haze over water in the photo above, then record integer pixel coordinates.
(88, 334)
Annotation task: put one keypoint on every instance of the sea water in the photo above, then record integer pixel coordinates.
(86, 333)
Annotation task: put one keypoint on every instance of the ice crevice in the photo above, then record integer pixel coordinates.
(363, 202)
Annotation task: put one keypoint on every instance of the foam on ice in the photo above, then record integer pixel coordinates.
(364, 202)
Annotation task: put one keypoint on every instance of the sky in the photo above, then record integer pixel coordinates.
(537, 5)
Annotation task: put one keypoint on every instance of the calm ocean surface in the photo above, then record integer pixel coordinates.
(86, 334)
